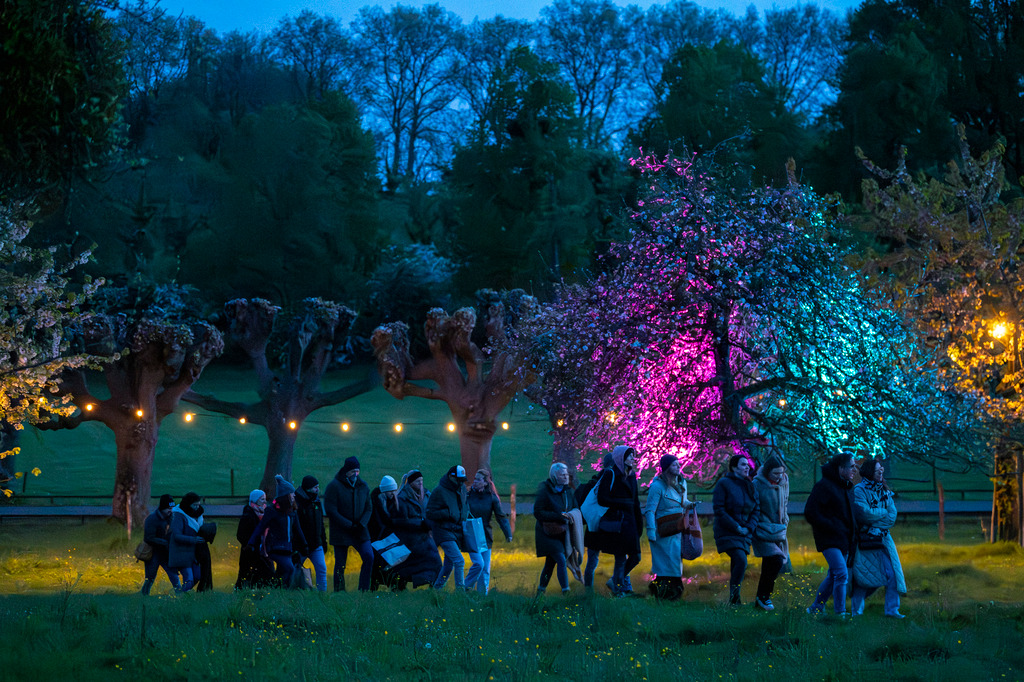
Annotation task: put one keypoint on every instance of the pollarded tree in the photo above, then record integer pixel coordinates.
(731, 317)
(152, 357)
(288, 396)
(475, 383)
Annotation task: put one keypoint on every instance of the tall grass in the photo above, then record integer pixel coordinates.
(965, 620)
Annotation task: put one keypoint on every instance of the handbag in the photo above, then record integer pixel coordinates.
(591, 510)
(872, 541)
(553, 529)
(473, 535)
(692, 539)
(391, 550)
(143, 551)
(611, 522)
(670, 525)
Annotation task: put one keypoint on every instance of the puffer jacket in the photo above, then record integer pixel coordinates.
(736, 507)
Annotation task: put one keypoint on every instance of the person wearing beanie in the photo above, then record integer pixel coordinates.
(310, 511)
(484, 504)
(447, 508)
(771, 485)
(347, 503)
(186, 520)
(665, 510)
(278, 533)
(157, 533)
(254, 570)
(405, 516)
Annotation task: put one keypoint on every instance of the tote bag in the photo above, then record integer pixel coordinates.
(591, 510)
(473, 534)
(692, 539)
(391, 550)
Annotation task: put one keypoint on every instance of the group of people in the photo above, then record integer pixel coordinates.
(850, 524)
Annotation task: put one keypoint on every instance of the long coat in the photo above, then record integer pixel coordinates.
(447, 508)
(310, 511)
(184, 538)
(254, 571)
(773, 519)
(619, 493)
(409, 522)
(348, 510)
(663, 500)
(157, 533)
(548, 506)
(735, 505)
(484, 505)
(829, 510)
(874, 508)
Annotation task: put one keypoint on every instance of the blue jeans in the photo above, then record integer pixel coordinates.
(453, 561)
(892, 596)
(189, 576)
(479, 571)
(624, 563)
(283, 567)
(554, 562)
(365, 571)
(593, 557)
(155, 564)
(834, 584)
(316, 557)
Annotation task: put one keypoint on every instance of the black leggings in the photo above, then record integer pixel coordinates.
(771, 566)
(737, 566)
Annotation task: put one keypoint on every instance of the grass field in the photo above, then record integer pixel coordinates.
(69, 612)
(202, 454)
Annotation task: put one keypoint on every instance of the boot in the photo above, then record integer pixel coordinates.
(146, 586)
(734, 595)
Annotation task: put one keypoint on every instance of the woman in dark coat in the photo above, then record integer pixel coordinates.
(484, 504)
(310, 512)
(619, 532)
(830, 511)
(279, 533)
(254, 571)
(157, 534)
(554, 500)
(591, 539)
(409, 522)
(736, 514)
(186, 520)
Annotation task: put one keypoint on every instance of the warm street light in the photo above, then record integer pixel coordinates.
(345, 427)
(189, 416)
(999, 330)
(451, 427)
(398, 428)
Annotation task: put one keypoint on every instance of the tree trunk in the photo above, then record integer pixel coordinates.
(136, 446)
(566, 453)
(475, 449)
(279, 456)
(10, 437)
(1005, 497)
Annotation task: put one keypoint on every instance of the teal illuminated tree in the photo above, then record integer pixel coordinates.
(730, 317)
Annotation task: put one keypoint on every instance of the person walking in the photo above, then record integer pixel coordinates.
(736, 513)
(485, 504)
(666, 506)
(591, 540)
(347, 502)
(620, 527)
(553, 502)
(310, 512)
(877, 563)
(829, 510)
(186, 520)
(254, 571)
(408, 515)
(447, 508)
(770, 542)
(279, 534)
(157, 534)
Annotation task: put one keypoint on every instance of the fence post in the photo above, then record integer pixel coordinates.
(232, 483)
(512, 512)
(942, 511)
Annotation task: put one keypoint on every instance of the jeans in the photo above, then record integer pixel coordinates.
(892, 596)
(453, 560)
(283, 567)
(316, 557)
(554, 562)
(155, 564)
(341, 558)
(479, 571)
(771, 566)
(834, 584)
(624, 563)
(737, 566)
(593, 556)
(189, 576)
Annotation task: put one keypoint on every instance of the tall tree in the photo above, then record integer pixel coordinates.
(413, 69)
(475, 383)
(320, 55)
(289, 395)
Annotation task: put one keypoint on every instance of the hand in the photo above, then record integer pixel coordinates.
(744, 531)
(652, 536)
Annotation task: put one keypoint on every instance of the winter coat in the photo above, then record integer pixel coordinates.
(184, 538)
(874, 508)
(663, 500)
(407, 519)
(254, 571)
(829, 510)
(410, 523)
(619, 493)
(735, 505)
(484, 504)
(447, 508)
(348, 509)
(590, 539)
(284, 535)
(157, 534)
(310, 511)
(548, 507)
(773, 518)
(380, 517)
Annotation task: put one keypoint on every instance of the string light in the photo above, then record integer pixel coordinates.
(189, 416)
(345, 427)
(398, 427)
(504, 426)
(241, 420)
(139, 412)
(90, 407)
(451, 427)
(560, 423)
(293, 425)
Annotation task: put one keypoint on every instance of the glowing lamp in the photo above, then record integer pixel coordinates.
(90, 407)
(560, 423)
(398, 428)
(504, 426)
(999, 330)
(782, 402)
(139, 412)
(345, 427)
(451, 427)
(241, 420)
(293, 425)
(189, 416)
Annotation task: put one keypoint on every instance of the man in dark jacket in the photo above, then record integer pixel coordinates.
(157, 531)
(347, 503)
(829, 510)
(447, 508)
(311, 519)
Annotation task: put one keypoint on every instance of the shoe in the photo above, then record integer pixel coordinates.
(816, 609)
(734, 596)
(627, 586)
(565, 592)
(897, 614)
(616, 589)
(765, 603)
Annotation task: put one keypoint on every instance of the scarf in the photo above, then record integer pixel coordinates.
(193, 523)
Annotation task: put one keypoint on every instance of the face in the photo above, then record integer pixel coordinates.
(742, 468)
(879, 471)
(195, 505)
(479, 482)
(261, 503)
(775, 475)
(848, 470)
(417, 485)
(315, 490)
(352, 475)
(291, 499)
(562, 476)
(630, 460)
(674, 468)
(390, 494)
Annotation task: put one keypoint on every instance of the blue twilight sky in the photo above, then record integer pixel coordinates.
(262, 15)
